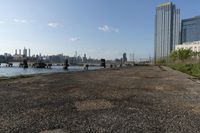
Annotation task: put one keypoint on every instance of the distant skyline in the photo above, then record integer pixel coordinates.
(100, 28)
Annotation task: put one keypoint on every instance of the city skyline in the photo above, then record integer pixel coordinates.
(98, 28)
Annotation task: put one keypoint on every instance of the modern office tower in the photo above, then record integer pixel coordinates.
(29, 52)
(20, 52)
(167, 30)
(124, 57)
(76, 55)
(25, 52)
(15, 51)
(84, 58)
(190, 30)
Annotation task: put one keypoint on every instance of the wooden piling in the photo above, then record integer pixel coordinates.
(103, 63)
(66, 64)
(25, 63)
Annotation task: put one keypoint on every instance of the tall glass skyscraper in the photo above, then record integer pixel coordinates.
(190, 30)
(167, 29)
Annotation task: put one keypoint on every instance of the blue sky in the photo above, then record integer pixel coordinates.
(99, 28)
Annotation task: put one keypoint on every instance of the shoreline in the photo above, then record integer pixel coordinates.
(45, 73)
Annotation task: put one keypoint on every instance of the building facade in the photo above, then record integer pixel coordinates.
(15, 51)
(190, 30)
(29, 52)
(25, 52)
(124, 57)
(20, 52)
(84, 58)
(167, 30)
(194, 46)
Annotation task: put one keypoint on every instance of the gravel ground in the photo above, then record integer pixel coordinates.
(138, 99)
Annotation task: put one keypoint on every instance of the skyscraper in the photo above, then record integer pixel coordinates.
(167, 29)
(15, 51)
(85, 58)
(25, 52)
(29, 52)
(20, 52)
(190, 30)
(124, 57)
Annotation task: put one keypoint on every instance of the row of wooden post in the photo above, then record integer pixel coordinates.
(66, 64)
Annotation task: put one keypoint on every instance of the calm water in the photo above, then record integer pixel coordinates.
(15, 70)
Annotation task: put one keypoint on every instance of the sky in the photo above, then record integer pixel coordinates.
(99, 28)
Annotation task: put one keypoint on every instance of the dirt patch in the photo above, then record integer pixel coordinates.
(161, 68)
(117, 94)
(54, 131)
(159, 88)
(93, 105)
(193, 107)
(29, 80)
(77, 93)
(152, 77)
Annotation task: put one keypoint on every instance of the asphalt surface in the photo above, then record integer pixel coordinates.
(139, 99)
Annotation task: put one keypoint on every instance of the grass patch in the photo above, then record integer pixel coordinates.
(191, 69)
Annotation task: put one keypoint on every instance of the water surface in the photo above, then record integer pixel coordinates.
(15, 70)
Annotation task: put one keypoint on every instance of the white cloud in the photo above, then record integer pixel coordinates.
(106, 28)
(53, 25)
(74, 39)
(20, 20)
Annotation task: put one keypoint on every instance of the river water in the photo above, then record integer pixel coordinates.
(16, 71)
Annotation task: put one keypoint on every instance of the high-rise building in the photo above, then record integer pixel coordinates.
(167, 29)
(20, 53)
(124, 57)
(190, 30)
(29, 52)
(15, 51)
(25, 52)
(84, 58)
(76, 54)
